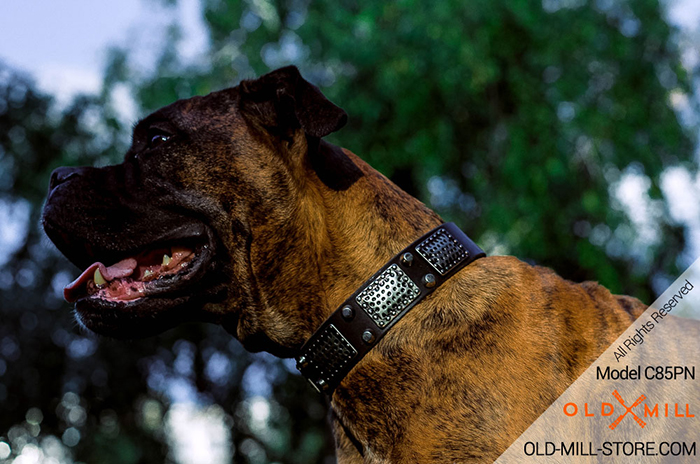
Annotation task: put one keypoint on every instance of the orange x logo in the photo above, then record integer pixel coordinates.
(628, 410)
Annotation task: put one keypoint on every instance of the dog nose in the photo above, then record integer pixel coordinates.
(61, 175)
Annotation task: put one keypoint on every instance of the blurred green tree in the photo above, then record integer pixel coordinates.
(518, 120)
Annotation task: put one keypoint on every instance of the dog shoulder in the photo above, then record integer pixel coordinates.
(511, 275)
(504, 288)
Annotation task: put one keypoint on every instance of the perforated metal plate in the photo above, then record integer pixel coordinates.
(442, 251)
(389, 294)
(330, 353)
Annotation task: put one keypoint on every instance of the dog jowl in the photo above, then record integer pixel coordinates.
(231, 209)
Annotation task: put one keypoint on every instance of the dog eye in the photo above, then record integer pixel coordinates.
(157, 140)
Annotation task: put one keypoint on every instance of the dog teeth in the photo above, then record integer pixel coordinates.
(99, 280)
(180, 251)
(166, 260)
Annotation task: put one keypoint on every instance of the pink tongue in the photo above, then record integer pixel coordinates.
(123, 268)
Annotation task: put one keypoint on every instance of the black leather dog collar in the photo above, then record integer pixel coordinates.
(364, 318)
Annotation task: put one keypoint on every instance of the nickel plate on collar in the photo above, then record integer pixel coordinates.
(329, 354)
(442, 251)
(388, 295)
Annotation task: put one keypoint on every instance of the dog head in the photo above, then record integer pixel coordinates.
(202, 214)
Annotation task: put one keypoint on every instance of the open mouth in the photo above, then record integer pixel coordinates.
(146, 291)
(151, 272)
(148, 263)
(168, 268)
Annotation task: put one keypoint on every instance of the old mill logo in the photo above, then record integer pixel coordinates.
(628, 410)
(675, 410)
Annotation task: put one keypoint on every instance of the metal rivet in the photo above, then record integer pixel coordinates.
(368, 336)
(407, 259)
(429, 280)
(347, 312)
(322, 385)
(302, 362)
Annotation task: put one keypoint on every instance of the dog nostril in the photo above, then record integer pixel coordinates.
(54, 180)
(61, 175)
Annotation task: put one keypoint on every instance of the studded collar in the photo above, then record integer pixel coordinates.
(364, 318)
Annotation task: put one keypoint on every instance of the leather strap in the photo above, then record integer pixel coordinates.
(364, 318)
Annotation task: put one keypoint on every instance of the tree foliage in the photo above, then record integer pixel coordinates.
(518, 120)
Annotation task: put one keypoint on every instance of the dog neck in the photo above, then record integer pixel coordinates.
(342, 221)
(347, 222)
(366, 223)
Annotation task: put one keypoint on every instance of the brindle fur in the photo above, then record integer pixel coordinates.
(300, 224)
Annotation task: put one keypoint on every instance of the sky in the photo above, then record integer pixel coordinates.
(684, 13)
(63, 43)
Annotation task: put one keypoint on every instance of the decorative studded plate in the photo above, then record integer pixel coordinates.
(442, 251)
(330, 353)
(389, 294)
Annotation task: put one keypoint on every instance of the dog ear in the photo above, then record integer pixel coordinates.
(282, 100)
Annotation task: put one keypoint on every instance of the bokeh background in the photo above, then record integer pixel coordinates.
(563, 132)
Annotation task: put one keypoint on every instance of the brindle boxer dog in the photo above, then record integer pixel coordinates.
(230, 209)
